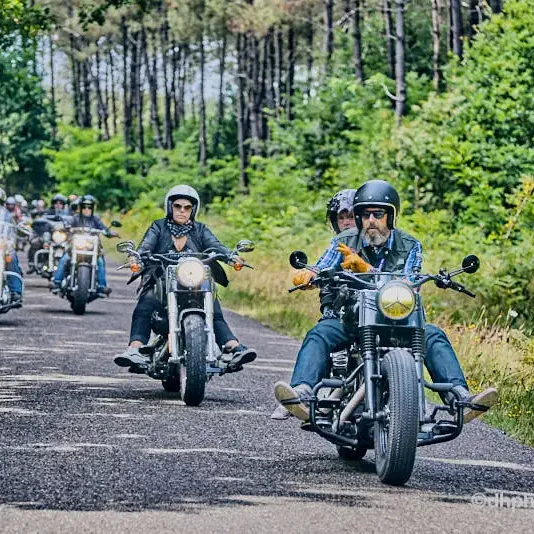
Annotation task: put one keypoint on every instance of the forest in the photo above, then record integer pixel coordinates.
(268, 107)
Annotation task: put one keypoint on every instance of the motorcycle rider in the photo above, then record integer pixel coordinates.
(375, 244)
(58, 206)
(13, 283)
(74, 203)
(180, 231)
(14, 210)
(86, 218)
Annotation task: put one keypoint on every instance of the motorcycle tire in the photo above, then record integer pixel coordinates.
(350, 454)
(395, 438)
(193, 371)
(81, 294)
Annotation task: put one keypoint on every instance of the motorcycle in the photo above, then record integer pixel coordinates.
(23, 234)
(183, 353)
(376, 389)
(51, 234)
(7, 248)
(79, 286)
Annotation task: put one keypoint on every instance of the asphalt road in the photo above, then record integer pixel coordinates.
(87, 447)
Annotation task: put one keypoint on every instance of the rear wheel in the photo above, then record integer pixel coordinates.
(81, 293)
(396, 435)
(193, 371)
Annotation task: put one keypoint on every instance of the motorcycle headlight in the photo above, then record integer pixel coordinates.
(59, 237)
(396, 300)
(82, 243)
(190, 272)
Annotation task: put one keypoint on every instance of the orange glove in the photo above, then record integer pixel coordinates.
(304, 277)
(353, 261)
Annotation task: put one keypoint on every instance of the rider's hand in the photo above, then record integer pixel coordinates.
(304, 278)
(238, 262)
(353, 262)
(114, 234)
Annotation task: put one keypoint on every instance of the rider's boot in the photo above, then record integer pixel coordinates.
(294, 399)
(486, 398)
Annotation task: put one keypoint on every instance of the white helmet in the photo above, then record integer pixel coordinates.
(19, 199)
(181, 191)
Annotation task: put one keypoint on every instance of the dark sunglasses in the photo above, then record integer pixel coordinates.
(185, 207)
(377, 214)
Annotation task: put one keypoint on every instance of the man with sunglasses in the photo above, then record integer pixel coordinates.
(179, 231)
(375, 244)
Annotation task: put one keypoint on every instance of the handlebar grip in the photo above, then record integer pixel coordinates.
(296, 288)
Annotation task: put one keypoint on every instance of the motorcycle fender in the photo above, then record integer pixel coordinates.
(188, 311)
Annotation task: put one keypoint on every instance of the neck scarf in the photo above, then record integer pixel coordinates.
(179, 230)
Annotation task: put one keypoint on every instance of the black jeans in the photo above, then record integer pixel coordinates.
(148, 304)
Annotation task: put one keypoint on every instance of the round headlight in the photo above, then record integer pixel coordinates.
(58, 237)
(82, 243)
(396, 300)
(190, 272)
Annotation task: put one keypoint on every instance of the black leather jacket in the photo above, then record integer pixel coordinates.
(158, 240)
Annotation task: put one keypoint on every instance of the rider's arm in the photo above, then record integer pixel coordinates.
(330, 257)
(208, 240)
(150, 239)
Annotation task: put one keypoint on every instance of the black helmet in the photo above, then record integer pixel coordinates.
(88, 200)
(59, 198)
(377, 193)
(342, 201)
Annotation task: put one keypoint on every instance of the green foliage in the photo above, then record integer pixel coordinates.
(104, 169)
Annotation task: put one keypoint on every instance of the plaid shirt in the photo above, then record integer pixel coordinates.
(332, 258)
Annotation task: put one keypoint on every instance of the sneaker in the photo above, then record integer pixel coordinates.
(31, 268)
(16, 300)
(294, 399)
(280, 414)
(239, 356)
(131, 357)
(105, 290)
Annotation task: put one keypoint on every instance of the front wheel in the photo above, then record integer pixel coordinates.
(396, 435)
(193, 371)
(81, 294)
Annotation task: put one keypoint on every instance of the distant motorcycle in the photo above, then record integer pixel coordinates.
(375, 395)
(7, 248)
(51, 233)
(79, 286)
(183, 353)
(23, 234)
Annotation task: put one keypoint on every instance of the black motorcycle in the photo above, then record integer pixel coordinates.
(376, 391)
(183, 352)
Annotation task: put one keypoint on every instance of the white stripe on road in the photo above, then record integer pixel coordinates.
(480, 463)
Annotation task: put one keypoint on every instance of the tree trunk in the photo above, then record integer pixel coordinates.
(87, 117)
(390, 38)
(309, 52)
(220, 101)
(279, 68)
(175, 75)
(329, 35)
(167, 119)
(112, 90)
(202, 104)
(241, 127)
(76, 110)
(182, 80)
(400, 74)
(126, 105)
(53, 89)
(475, 17)
(357, 36)
(101, 105)
(436, 39)
(152, 85)
(496, 6)
(456, 27)
(290, 81)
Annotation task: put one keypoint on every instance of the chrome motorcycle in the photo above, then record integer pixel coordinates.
(183, 352)
(54, 241)
(79, 286)
(375, 394)
(7, 248)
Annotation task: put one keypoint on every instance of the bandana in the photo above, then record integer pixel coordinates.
(179, 230)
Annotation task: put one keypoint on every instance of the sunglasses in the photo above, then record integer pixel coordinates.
(184, 207)
(377, 214)
(87, 207)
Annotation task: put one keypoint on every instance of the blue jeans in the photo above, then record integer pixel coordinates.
(328, 335)
(100, 270)
(12, 282)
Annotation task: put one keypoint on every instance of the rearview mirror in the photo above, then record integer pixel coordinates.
(124, 246)
(117, 224)
(298, 259)
(245, 245)
(470, 264)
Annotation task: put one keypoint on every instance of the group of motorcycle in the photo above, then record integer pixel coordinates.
(49, 238)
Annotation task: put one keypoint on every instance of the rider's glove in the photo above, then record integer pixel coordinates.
(237, 262)
(353, 262)
(304, 278)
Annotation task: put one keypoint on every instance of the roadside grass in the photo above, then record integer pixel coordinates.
(491, 354)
